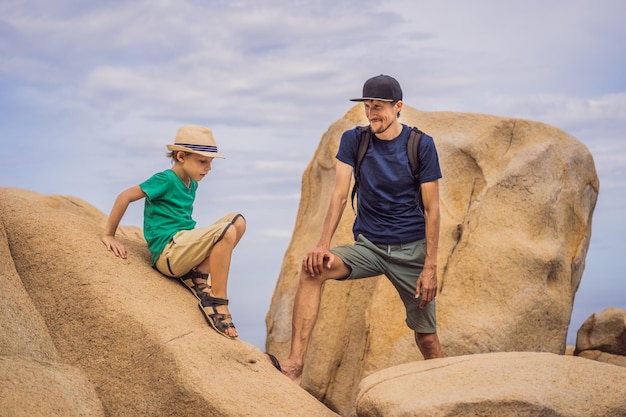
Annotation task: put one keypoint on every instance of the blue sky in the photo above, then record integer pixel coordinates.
(90, 93)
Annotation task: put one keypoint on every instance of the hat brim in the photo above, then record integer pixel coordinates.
(185, 149)
(372, 98)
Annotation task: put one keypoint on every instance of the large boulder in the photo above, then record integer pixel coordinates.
(32, 379)
(29, 387)
(86, 333)
(508, 384)
(517, 199)
(602, 337)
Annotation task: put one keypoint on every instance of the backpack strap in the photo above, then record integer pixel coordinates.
(413, 154)
(364, 141)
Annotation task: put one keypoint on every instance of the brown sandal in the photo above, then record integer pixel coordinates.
(215, 319)
(191, 281)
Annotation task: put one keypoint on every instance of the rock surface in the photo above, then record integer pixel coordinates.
(517, 200)
(598, 355)
(85, 333)
(496, 384)
(604, 331)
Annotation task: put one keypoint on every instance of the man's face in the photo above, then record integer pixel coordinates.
(381, 114)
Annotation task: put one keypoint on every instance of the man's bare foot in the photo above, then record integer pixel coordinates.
(289, 368)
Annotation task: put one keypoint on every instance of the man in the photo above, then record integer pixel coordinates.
(393, 235)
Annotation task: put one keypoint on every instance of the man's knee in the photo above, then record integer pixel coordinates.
(307, 279)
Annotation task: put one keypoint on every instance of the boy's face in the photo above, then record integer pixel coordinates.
(196, 166)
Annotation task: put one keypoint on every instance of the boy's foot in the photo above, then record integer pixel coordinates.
(216, 312)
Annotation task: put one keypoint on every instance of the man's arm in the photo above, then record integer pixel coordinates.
(427, 281)
(314, 260)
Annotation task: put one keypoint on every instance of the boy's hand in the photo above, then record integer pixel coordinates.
(113, 245)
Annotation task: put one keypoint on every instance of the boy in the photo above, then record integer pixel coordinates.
(178, 250)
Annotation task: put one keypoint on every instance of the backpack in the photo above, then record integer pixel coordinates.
(412, 152)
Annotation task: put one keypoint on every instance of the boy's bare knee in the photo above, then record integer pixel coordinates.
(240, 226)
(229, 237)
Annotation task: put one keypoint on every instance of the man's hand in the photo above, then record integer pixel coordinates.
(314, 261)
(427, 285)
(114, 246)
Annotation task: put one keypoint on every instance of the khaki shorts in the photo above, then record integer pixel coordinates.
(402, 265)
(188, 248)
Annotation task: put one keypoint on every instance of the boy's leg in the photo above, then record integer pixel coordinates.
(218, 265)
(208, 250)
(239, 225)
(190, 248)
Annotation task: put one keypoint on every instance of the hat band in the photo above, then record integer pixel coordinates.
(199, 148)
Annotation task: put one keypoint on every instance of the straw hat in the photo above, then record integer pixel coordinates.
(195, 139)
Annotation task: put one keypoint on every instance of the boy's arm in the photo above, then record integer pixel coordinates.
(117, 212)
(314, 260)
(427, 281)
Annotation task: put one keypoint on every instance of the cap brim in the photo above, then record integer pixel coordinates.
(371, 98)
(184, 149)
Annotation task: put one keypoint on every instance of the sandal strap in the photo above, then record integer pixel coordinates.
(217, 319)
(208, 301)
(199, 287)
(220, 323)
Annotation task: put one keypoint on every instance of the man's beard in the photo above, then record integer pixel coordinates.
(383, 129)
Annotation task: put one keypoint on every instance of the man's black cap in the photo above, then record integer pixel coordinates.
(382, 87)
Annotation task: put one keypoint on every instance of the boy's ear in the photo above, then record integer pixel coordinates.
(180, 156)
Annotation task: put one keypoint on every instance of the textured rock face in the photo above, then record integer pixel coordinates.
(517, 199)
(35, 388)
(496, 384)
(85, 333)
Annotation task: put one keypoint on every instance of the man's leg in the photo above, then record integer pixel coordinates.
(305, 311)
(428, 344)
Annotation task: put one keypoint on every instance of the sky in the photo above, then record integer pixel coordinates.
(91, 92)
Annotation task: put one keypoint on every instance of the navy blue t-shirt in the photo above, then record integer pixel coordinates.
(387, 212)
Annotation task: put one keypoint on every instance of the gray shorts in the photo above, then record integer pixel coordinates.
(401, 264)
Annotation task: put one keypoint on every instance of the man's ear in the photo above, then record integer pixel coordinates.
(398, 107)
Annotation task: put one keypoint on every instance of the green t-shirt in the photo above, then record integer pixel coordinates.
(167, 209)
